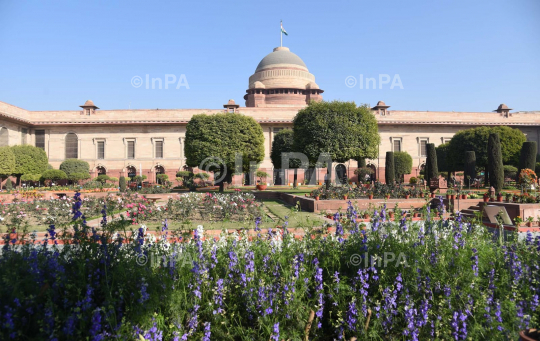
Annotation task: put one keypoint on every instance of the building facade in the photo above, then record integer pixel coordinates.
(151, 142)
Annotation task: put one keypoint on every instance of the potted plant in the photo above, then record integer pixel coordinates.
(370, 195)
(261, 183)
(529, 221)
(518, 221)
(449, 194)
(500, 197)
(391, 214)
(486, 197)
(508, 197)
(464, 195)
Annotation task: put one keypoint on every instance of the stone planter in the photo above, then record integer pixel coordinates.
(261, 187)
(529, 335)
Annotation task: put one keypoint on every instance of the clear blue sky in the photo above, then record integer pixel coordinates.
(449, 54)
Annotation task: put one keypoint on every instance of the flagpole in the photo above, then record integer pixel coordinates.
(281, 33)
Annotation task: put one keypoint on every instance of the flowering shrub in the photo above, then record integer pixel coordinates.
(448, 280)
(378, 190)
(527, 177)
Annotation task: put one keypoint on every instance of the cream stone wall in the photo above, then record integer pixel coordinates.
(116, 127)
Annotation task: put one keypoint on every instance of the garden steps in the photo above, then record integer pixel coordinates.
(471, 211)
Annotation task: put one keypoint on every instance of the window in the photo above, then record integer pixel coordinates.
(72, 146)
(277, 130)
(159, 149)
(24, 133)
(40, 139)
(131, 149)
(4, 137)
(423, 151)
(101, 150)
(397, 145)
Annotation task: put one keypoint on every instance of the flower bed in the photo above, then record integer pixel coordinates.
(442, 279)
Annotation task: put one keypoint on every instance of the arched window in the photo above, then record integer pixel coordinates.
(159, 170)
(4, 138)
(72, 146)
(101, 170)
(131, 171)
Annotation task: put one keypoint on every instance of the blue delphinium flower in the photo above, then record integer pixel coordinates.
(207, 332)
(275, 332)
(474, 259)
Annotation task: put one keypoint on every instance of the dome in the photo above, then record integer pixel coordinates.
(257, 85)
(89, 104)
(280, 55)
(312, 85)
(502, 106)
(381, 104)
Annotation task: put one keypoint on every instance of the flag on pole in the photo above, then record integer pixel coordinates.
(283, 30)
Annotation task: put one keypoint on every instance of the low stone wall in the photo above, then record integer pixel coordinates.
(312, 205)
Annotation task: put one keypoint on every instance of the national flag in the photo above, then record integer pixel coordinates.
(283, 30)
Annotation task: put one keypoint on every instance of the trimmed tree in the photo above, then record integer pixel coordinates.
(389, 171)
(527, 158)
(432, 169)
(53, 175)
(443, 162)
(282, 144)
(29, 160)
(76, 177)
(470, 167)
(335, 130)
(122, 184)
(402, 165)
(75, 169)
(495, 163)
(213, 141)
(475, 139)
(9, 185)
(7, 162)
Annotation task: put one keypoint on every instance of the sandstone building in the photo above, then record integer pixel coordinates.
(129, 142)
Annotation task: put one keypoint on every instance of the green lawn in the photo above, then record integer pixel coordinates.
(277, 211)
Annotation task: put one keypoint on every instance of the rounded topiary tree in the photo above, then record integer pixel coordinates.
(527, 157)
(336, 130)
(389, 171)
(432, 170)
(122, 184)
(213, 142)
(402, 165)
(29, 160)
(53, 175)
(495, 163)
(469, 167)
(76, 177)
